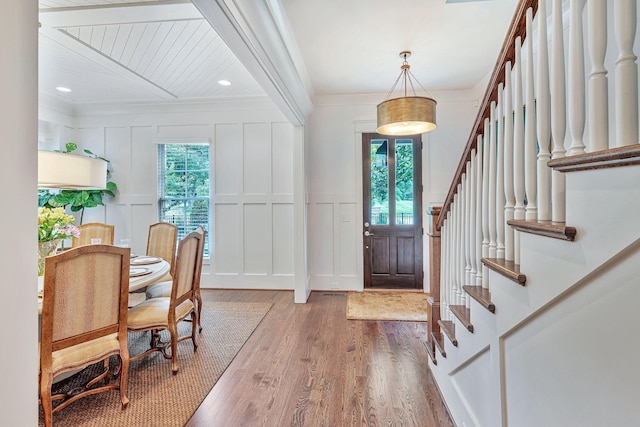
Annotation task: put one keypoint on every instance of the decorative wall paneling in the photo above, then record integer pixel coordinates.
(251, 154)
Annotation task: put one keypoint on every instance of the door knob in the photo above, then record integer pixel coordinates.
(366, 233)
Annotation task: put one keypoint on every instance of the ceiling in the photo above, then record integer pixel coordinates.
(149, 51)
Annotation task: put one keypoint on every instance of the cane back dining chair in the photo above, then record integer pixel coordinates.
(161, 242)
(157, 314)
(93, 230)
(163, 289)
(84, 321)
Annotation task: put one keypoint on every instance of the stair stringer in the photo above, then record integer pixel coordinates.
(604, 206)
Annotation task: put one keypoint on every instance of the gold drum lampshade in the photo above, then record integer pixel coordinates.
(406, 116)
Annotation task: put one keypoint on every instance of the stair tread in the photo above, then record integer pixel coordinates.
(463, 314)
(431, 352)
(508, 269)
(482, 295)
(557, 230)
(449, 329)
(438, 341)
(609, 158)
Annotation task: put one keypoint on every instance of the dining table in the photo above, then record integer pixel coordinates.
(145, 271)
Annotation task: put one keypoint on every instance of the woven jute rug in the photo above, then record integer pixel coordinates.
(409, 306)
(156, 396)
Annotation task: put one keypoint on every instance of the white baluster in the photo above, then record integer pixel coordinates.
(626, 77)
(543, 113)
(473, 213)
(530, 143)
(558, 113)
(451, 293)
(460, 246)
(492, 181)
(499, 177)
(461, 258)
(479, 212)
(598, 81)
(444, 276)
(454, 251)
(508, 162)
(518, 146)
(465, 226)
(485, 203)
(576, 79)
(455, 247)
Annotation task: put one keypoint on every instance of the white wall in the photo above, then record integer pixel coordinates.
(335, 177)
(18, 151)
(252, 153)
(252, 172)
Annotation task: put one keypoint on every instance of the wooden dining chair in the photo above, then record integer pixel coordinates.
(161, 242)
(93, 230)
(163, 289)
(158, 314)
(84, 321)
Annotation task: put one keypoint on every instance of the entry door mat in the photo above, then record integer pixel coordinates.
(404, 306)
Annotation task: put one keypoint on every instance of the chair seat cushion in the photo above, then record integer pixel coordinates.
(154, 314)
(159, 290)
(84, 354)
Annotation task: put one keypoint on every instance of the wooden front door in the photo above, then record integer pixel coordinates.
(392, 189)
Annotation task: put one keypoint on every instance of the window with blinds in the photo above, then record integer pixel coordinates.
(183, 175)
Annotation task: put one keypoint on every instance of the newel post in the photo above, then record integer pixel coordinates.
(433, 302)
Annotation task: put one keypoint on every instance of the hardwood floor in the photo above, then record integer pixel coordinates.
(307, 365)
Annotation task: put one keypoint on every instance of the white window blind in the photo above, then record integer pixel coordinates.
(183, 186)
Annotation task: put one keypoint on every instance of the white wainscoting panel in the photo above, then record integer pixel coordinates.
(348, 250)
(144, 162)
(472, 382)
(257, 239)
(118, 216)
(256, 158)
(282, 158)
(140, 214)
(282, 247)
(118, 151)
(180, 132)
(579, 355)
(228, 159)
(321, 238)
(228, 241)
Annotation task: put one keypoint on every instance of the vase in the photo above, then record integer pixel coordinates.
(46, 249)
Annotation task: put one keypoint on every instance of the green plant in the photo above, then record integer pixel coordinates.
(77, 200)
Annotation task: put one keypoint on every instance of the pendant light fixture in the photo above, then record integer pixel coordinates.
(70, 171)
(406, 115)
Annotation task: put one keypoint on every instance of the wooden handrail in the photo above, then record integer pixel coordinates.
(507, 54)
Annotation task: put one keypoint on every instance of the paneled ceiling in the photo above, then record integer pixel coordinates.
(135, 52)
(112, 51)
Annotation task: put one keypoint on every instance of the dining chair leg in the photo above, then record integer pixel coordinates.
(173, 331)
(124, 369)
(46, 401)
(199, 304)
(194, 321)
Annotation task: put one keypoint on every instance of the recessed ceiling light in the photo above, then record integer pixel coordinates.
(63, 89)
(224, 82)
